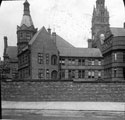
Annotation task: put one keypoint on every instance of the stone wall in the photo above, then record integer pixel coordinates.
(62, 91)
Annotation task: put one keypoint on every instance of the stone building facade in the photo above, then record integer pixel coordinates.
(113, 51)
(111, 42)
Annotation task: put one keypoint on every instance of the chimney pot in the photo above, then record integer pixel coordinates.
(5, 42)
(54, 36)
(49, 31)
(89, 43)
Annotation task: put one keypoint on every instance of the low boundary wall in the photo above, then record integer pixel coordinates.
(63, 91)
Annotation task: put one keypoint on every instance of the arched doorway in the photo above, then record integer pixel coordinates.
(54, 74)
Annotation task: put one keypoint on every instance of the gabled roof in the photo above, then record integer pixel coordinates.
(118, 31)
(11, 51)
(80, 52)
(60, 42)
(38, 34)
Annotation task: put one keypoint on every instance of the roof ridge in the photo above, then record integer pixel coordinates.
(118, 27)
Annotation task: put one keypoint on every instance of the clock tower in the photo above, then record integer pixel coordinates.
(100, 23)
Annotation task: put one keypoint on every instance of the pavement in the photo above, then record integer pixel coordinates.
(83, 106)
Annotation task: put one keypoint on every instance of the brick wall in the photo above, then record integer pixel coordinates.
(62, 91)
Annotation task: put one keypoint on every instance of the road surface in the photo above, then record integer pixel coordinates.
(14, 114)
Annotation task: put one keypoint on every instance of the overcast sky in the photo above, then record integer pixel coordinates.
(70, 18)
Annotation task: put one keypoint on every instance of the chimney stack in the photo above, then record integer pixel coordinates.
(124, 25)
(49, 31)
(89, 43)
(54, 36)
(5, 42)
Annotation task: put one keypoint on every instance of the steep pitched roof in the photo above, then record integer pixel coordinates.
(118, 31)
(61, 43)
(65, 48)
(38, 34)
(27, 20)
(11, 51)
(80, 52)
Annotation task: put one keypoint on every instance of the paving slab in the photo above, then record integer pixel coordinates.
(104, 106)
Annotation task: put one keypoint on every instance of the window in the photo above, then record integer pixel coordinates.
(73, 61)
(81, 73)
(115, 72)
(83, 62)
(54, 60)
(79, 62)
(21, 35)
(28, 36)
(47, 58)
(40, 58)
(40, 73)
(71, 74)
(89, 62)
(124, 57)
(93, 74)
(47, 73)
(63, 61)
(69, 61)
(115, 56)
(99, 62)
(92, 62)
(99, 74)
(89, 74)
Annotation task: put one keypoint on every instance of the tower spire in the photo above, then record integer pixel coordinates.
(26, 8)
(100, 3)
(100, 21)
(26, 20)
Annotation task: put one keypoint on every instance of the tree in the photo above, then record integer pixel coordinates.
(4, 70)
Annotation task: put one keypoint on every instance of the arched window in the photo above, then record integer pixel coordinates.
(54, 60)
(54, 74)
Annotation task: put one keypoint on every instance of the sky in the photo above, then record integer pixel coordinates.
(71, 19)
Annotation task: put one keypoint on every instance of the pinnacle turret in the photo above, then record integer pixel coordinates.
(26, 20)
(26, 8)
(26, 30)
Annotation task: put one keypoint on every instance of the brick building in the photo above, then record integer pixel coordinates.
(43, 54)
(10, 60)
